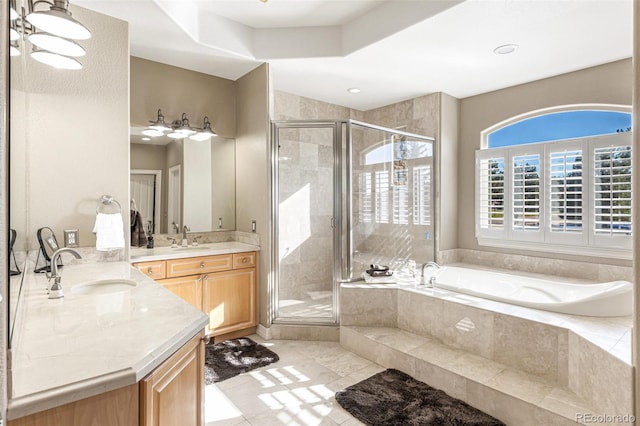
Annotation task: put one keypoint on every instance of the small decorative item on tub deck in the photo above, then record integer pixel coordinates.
(378, 274)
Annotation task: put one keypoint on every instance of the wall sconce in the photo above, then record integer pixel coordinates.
(51, 30)
(179, 129)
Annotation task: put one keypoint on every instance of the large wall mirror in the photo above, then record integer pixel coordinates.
(183, 182)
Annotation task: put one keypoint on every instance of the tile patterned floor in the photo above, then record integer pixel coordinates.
(297, 390)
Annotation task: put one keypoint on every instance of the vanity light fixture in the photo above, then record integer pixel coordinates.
(184, 127)
(51, 30)
(159, 124)
(179, 129)
(205, 133)
(56, 20)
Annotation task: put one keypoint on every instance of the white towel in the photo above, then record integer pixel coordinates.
(109, 230)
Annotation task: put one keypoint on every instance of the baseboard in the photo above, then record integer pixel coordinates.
(264, 332)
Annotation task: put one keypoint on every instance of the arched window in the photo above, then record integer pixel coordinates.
(557, 181)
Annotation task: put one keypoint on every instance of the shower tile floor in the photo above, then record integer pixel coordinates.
(297, 390)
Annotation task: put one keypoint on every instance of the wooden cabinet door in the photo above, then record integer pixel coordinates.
(188, 288)
(173, 394)
(229, 298)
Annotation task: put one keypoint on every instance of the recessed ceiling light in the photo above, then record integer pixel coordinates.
(353, 90)
(505, 49)
(146, 139)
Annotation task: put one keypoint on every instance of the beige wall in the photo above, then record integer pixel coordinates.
(606, 84)
(175, 90)
(447, 183)
(253, 187)
(71, 135)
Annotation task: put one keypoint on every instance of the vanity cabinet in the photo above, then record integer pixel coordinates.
(172, 394)
(222, 286)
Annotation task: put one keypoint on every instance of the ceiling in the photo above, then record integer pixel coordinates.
(391, 49)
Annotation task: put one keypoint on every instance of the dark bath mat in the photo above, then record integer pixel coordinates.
(232, 357)
(394, 398)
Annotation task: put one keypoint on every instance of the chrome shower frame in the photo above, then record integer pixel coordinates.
(342, 209)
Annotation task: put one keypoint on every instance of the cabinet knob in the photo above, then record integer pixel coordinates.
(206, 277)
(150, 270)
(202, 264)
(199, 278)
(245, 259)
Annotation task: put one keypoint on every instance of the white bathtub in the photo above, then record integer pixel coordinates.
(598, 300)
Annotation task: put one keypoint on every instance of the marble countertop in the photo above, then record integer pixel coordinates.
(142, 254)
(67, 349)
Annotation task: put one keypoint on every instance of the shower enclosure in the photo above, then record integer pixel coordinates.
(345, 194)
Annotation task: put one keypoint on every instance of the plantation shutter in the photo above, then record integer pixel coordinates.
(365, 193)
(566, 191)
(612, 191)
(382, 196)
(525, 210)
(422, 195)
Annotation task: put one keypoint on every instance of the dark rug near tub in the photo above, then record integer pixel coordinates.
(232, 357)
(395, 398)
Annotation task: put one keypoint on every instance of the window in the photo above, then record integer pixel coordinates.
(382, 196)
(568, 196)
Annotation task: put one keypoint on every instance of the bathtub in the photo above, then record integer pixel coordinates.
(598, 300)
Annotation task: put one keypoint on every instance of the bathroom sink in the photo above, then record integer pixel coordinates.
(103, 286)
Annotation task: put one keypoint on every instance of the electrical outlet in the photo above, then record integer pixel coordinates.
(71, 238)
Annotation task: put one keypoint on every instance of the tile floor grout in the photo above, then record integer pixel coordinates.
(297, 390)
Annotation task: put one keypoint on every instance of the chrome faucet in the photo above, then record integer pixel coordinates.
(55, 292)
(432, 279)
(185, 229)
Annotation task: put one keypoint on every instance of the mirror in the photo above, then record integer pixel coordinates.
(48, 245)
(178, 182)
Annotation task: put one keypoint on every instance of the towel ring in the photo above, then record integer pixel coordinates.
(107, 200)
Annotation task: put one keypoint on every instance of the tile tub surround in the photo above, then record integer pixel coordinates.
(68, 349)
(142, 254)
(600, 272)
(561, 351)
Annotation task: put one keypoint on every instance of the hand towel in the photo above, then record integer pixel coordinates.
(138, 236)
(109, 230)
(377, 267)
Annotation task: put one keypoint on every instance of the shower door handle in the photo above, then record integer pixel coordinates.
(333, 223)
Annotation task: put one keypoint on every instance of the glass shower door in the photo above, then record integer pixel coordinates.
(305, 225)
(391, 219)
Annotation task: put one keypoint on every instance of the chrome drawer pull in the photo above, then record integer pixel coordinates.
(244, 259)
(150, 270)
(202, 264)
